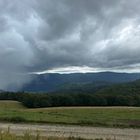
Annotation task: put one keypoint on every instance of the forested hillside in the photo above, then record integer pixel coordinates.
(54, 82)
(117, 95)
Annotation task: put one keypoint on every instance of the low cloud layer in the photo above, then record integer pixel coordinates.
(42, 35)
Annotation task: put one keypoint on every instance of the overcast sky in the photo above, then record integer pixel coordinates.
(67, 35)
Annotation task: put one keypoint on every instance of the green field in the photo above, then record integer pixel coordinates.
(11, 105)
(12, 111)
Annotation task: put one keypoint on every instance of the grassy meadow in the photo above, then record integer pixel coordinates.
(13, 111)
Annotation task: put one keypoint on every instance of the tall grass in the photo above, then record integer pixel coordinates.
(6, 135)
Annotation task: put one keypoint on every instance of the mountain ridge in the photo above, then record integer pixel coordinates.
(54, 81)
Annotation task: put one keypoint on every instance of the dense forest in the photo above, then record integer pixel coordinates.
(127, 94)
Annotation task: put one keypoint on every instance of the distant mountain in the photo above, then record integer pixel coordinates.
(1, 91)
(123, 89)
(56, 82)
(89, 87)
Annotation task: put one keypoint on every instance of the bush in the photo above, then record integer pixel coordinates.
(13, 119)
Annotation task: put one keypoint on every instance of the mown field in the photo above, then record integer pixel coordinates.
(12, 111)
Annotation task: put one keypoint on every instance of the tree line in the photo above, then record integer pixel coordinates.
(38, 100)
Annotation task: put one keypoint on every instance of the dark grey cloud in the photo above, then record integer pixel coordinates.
(50, 34)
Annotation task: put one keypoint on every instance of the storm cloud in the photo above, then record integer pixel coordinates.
(45, 35)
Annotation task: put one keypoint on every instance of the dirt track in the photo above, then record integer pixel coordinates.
(76, 131)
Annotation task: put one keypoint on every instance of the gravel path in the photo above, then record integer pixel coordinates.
(76, 131)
